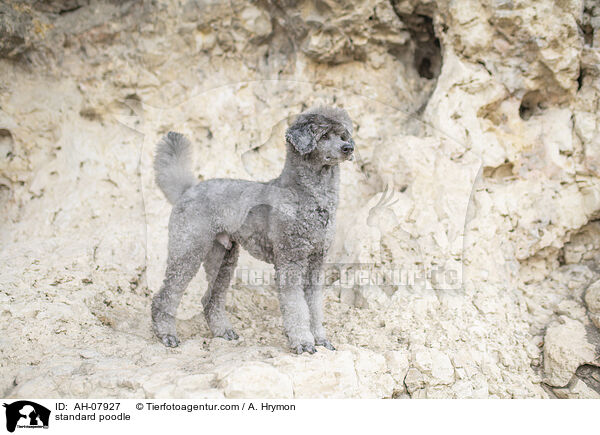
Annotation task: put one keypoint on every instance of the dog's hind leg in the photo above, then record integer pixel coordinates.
(219, 265)
(183, 263)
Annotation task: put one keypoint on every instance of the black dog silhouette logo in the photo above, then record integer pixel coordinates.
(26, 414)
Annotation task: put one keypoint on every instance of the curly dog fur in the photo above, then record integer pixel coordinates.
(288, 222)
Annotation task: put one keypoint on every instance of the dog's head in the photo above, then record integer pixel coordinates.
(323, 134)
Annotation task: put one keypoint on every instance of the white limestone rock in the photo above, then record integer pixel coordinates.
(481, 182)
(565, 348)
(256, 379)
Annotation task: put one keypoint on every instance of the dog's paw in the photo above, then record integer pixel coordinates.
(305, 347)
(229, 334)
(325, 343)
(170, 340)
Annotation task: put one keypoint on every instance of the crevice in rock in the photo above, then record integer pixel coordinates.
(406, 388)
(561, 258)
(11, 388)
(531, 104)
(426, 46)
(586, 27)
(580, 78)
(499, 173)
(588, 34)
(548, 389)
(583, 246)
(6, 144)
(69, 10)
(90, 114)
(59, 7)
(590, 375)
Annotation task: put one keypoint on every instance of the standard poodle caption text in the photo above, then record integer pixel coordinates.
(90, 411)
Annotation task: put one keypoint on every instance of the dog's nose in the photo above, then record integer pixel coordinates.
(347, 148)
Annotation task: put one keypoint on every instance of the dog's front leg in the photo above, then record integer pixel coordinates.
(294, 310)
(313, 292)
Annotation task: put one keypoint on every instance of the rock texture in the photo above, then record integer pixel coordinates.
(468, 242)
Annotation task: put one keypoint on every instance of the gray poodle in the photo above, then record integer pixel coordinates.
(288, 222)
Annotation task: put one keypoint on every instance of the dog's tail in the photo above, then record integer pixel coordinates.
(172, 166)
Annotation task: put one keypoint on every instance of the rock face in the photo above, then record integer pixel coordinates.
(466, 256)
(592, 300)
(565, 349)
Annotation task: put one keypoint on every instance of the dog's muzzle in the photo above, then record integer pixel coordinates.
(348, 149)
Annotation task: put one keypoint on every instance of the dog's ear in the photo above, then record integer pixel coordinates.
(302, 135)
